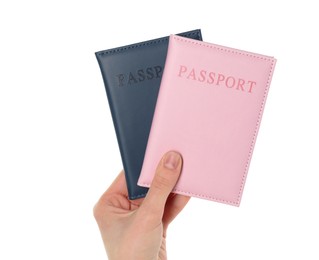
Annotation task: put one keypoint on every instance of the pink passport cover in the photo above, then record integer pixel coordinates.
(209, 109)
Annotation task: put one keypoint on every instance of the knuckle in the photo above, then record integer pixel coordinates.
(97, 211)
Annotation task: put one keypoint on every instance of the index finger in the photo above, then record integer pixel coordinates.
(118, 186)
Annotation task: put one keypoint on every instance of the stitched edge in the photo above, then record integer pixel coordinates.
(199, 195)
(142, 44)
(272, 60)
(137, 196)
(256, 129)
(220, 48)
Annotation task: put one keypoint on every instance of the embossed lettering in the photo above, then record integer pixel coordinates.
(192, 75)
(240, 84)
(251, 85)
(121, 78)
(211, 78)
(158, 70)
(149, 72)
(230, 82)
(216, 78)
(182, 69)
(140, 75)
(202, 75)
(131, 79)
(220, 78)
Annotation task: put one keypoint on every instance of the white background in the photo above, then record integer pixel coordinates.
(58, 150)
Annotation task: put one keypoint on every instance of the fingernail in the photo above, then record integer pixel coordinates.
(171, 160)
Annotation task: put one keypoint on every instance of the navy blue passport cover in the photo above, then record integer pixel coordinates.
(132, 76)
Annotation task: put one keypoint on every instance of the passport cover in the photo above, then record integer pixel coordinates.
(132, 76)
(209, 109)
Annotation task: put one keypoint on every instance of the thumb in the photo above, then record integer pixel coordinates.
(166, 176)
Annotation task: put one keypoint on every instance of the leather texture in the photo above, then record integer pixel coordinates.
(132, 76)
(209, 109)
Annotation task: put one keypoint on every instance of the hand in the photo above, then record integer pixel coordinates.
(136, 230)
